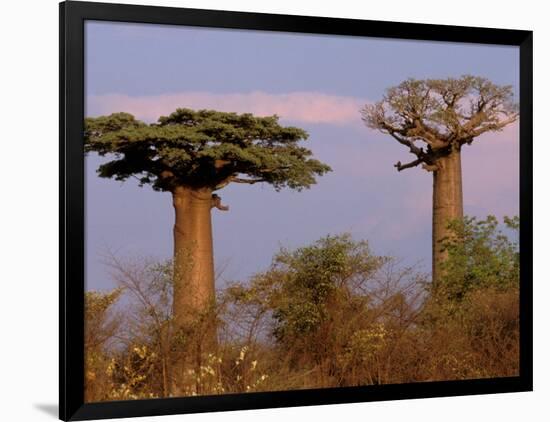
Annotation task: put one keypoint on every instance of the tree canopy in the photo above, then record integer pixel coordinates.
(442, 114)
(203, 148)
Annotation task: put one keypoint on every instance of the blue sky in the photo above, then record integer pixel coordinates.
(316, 82)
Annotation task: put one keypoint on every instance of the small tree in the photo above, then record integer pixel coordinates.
(434, 119)
(330, 308)
(193, 154)
(471, 318)
(480, 256)
(148, 288)
(101, 324)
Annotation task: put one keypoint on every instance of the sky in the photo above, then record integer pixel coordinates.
(316, 82)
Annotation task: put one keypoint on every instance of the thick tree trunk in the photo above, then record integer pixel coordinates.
(447, 206)
(194, 290)
(193, 254)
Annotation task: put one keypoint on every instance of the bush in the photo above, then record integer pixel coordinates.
(325, 315)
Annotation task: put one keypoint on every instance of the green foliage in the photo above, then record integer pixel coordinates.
(329, 314)
(331, 310)
(315, 276)
(480, 255)
(203, 148)
(312, 301)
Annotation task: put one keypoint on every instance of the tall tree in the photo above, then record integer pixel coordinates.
(193, 154)
(434, 119)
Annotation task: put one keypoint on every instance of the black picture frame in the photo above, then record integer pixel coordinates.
(72, 16)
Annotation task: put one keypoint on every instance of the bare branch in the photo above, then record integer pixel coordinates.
(414, 163)
(217, 203)
(418, 131)
(493, 126)
(441, 113)
(407, 142)
(428, 134)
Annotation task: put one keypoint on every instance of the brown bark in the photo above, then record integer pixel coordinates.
(194, 289)
(193, 254)
(447, 206)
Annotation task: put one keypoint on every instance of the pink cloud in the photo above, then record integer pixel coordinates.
(305, 107)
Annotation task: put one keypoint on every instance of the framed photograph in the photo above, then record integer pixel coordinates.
(265, 210)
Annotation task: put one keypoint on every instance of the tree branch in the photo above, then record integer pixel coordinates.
(217, 203)
(408, 143)
(443, 114)
(219, 164)
(428, 134)
(414, 163)
(249, 181)
(493, 126)
(419, 130)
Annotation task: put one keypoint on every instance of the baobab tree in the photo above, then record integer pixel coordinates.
(193, 154)
(434, 119)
